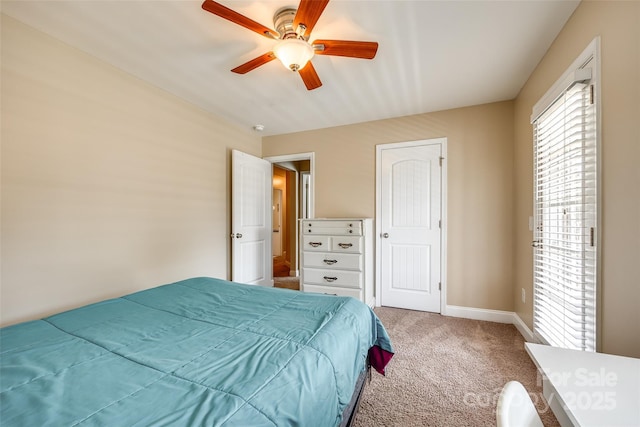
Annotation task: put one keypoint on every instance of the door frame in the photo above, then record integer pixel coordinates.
(312, 166)
(297, 157)
(443, 208)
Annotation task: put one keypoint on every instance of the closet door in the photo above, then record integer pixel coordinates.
(410, 225)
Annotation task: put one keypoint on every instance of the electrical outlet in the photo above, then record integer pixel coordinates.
(524, 296)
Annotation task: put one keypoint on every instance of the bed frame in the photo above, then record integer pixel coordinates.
(350, 412)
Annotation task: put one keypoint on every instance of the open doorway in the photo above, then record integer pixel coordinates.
(292, 201)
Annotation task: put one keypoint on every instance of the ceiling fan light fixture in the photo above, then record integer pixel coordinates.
(293, 53)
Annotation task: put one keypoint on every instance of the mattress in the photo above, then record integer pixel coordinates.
(202, 351)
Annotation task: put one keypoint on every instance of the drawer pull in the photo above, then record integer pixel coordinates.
(330, 261)
(315, 244)
(330, 279)
(345, 245)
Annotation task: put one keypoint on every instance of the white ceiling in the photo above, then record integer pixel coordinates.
(432, 55)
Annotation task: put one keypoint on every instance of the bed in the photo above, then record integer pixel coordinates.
(201, 351)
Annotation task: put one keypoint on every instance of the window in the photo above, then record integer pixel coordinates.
(566, 209)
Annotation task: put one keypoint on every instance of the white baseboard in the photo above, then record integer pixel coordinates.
(488, 315)
(524, 329)
(479, 314)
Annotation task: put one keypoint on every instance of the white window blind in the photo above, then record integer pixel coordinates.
(565, 215)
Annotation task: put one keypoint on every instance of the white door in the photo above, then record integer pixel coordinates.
(409, 224)
(251, 220)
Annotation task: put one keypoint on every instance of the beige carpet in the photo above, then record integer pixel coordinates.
(288, 282)
(446, 372)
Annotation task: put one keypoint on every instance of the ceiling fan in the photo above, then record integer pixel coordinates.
(293, 28)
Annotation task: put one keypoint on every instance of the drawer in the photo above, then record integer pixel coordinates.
(316, 243)
(342, 227)
(351, 279)
(349, 244)
(341, 292)
(333, 260)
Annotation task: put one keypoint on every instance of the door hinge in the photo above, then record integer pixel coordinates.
(591, 95)
(439, 223)
(440, 159)
(439, 286)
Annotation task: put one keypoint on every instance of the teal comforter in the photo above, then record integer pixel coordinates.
(198, 352)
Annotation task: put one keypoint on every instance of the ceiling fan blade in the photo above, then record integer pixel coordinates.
(254, 63)
(237, 18)
(308, 14)
(310, 77)
(364, 50)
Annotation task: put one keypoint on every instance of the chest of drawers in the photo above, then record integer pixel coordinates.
(337, 257)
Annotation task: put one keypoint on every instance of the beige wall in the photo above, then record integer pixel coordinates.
(480, 188)
(109, 185)
(618, 25)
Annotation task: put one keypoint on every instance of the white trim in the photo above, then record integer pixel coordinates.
(443, 226)
(488, 315)
(442, 141)
(572, 75)
(598, 100)
(588, 59)
(311, 156)
(524, 329)
(579, 75)
(377, 274)
(497, 316)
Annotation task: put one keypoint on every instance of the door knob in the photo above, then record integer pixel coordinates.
(237, 235)
(385, 235)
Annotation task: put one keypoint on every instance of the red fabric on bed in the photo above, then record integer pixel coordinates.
(378, 358)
